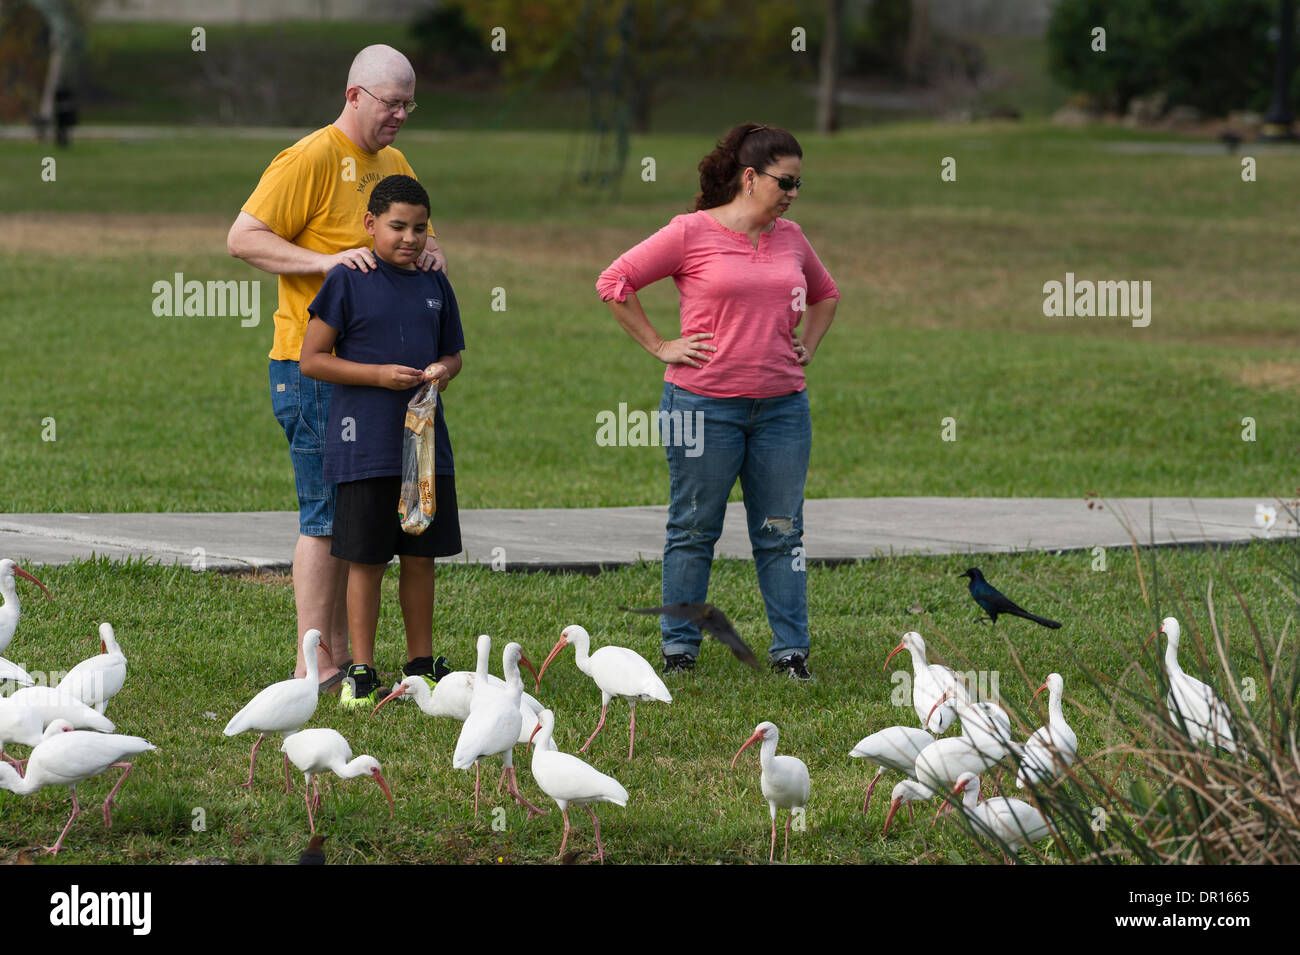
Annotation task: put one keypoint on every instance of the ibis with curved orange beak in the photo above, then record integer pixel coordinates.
(9, 589)
(929, 683)
(784, 781)
(618, 671)
(315, 751)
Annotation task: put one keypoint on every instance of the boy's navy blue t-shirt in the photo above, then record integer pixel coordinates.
(386, 316)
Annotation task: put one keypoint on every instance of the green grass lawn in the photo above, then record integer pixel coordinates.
(200, 645)
(942, 316)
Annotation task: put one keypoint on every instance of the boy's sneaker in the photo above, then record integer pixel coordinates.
(793, 665)
(678, 663)
(432, 670)
(361, 687)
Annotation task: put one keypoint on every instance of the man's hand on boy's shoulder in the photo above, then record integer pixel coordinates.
(431, 257)
(363, 259)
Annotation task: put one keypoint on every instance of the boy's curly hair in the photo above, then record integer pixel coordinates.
(392, 189)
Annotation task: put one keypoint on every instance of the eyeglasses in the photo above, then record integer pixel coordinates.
(409, 105)
(785, 183)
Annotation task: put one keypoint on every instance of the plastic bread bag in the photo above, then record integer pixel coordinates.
(417, 503)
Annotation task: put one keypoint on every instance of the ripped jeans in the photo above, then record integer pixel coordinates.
(765, 442)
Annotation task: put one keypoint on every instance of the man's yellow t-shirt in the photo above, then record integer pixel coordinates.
(314, 194)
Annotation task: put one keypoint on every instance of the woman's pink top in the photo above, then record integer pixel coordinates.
(750, 299)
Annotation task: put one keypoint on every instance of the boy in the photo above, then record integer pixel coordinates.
(384, 326)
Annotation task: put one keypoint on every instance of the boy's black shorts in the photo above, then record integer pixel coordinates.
(367, 529)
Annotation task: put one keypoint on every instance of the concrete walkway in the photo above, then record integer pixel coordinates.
(835, 529)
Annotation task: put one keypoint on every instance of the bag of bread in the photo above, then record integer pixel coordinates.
(417, 504)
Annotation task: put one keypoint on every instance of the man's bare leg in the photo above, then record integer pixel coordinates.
(320, 593)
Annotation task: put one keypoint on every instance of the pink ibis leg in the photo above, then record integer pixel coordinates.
(603, 710)
(631, 733)
(288, 787)
(306, 797)
(771, 855)
(565, 841)
(600, 849)
(512, 784)
(476, 787)
(501, 779)
(889, 817)
(866, 802)
(76, 810)
(786, 855)
(252, 762)
(911, 815)
(108, 818)
(315, 792)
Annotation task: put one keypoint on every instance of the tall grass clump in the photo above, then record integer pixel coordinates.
(1153, 794)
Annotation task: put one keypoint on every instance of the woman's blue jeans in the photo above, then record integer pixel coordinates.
(765, 442)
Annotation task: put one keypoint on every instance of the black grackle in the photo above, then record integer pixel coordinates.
(314, 854)
(994, 602)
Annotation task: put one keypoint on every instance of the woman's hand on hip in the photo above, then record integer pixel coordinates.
(687, 350)
(802, 353)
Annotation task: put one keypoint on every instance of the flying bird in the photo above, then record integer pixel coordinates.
(711, 620)
(993, 602)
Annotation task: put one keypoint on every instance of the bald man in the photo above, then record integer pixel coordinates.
(304, 218)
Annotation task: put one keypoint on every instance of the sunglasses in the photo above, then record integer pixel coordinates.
(785, 183)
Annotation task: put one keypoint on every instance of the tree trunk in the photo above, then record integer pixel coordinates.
(828, 115)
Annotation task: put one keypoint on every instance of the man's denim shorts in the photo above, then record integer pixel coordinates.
(302, 406)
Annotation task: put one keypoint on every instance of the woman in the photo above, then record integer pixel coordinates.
(746, 279)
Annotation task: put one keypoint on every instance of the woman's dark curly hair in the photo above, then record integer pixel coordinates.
(749, 144)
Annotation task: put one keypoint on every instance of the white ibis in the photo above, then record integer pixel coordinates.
(283, 707)
(908, 791)
(929, 683)
(896, 748)
(1012, 823)
(98, 679)
(13, 673)
(21, 724)
(784, 781)
(618, 671)
(494, 720)
(315, 751)
(985, 724)
(451, 696)
(65, 757)
(943, 762)
(1191, 703)
(1053, 747)
(54, 705)
(571, 781)
(9, 590)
